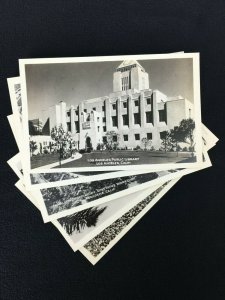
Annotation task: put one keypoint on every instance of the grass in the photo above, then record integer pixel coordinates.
(144, 157)
(42, 160)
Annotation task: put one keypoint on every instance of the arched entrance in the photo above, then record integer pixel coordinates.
(88, 144)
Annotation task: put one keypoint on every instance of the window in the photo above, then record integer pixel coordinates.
(136, 118)
(124, 104)
(77, 126)
(148, 100)
(85, 110)
(98, 128)
(104, 139)
(114, 106)
(115, 138)
(149, 136)
(136, 102)
(114, 121)
(104, 128)
(162, 115)
(98, 119)
(125, 120)
(104, 119)
(137, 137)
(68, 113)
(76, 112)
(94, 108)
(103, 108)
(149, 117)
(125, 137)
(68, 126)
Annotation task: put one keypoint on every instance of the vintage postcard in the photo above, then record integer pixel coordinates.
(111, 113)
(77, 197)
(79, 228)
(48, 179)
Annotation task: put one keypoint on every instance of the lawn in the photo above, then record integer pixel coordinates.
(114, 158)
(137, 158)
(42, 160)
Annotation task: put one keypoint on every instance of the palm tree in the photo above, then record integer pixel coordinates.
(80, 220)
(33, 147)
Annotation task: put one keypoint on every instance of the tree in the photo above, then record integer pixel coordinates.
(62, 138)
(176, 137)
(166, 140)
(112, 140)
(146, 142)
(33, 147)
(80, 220)
(186, 129)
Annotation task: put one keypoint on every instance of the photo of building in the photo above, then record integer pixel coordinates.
(133, 112)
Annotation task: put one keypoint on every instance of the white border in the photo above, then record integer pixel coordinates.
(197, 105)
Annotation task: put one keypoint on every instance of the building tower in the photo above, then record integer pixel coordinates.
(130, 75)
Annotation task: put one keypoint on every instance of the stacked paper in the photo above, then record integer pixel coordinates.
(102, 139)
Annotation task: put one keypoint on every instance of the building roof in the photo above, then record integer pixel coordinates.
(131, 62)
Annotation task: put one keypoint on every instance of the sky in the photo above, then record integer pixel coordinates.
(48, 84)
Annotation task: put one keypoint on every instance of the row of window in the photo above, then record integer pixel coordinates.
(126, 137)
(124, 69)
(137, 119)
(136, 103)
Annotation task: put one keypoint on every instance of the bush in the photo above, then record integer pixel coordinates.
(89, 150)
(81, 151)
(137, 147)
(185, 149)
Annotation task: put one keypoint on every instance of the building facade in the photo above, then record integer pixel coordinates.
(133, 111)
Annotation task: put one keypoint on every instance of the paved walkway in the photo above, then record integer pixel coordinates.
(56, 164)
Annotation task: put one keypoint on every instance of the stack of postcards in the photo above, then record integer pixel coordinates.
(102, 139)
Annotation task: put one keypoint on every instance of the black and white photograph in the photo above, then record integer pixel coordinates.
(79, 228)
(77, 197)
(107, 114)
(112, 130)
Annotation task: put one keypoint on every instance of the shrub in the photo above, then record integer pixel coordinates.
(81, 151)
(185, 149)
(137, 147)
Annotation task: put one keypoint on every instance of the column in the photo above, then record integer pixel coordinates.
(119, 114)
(142, 109)
(72, 119)
(130, 112)
(108, 115)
